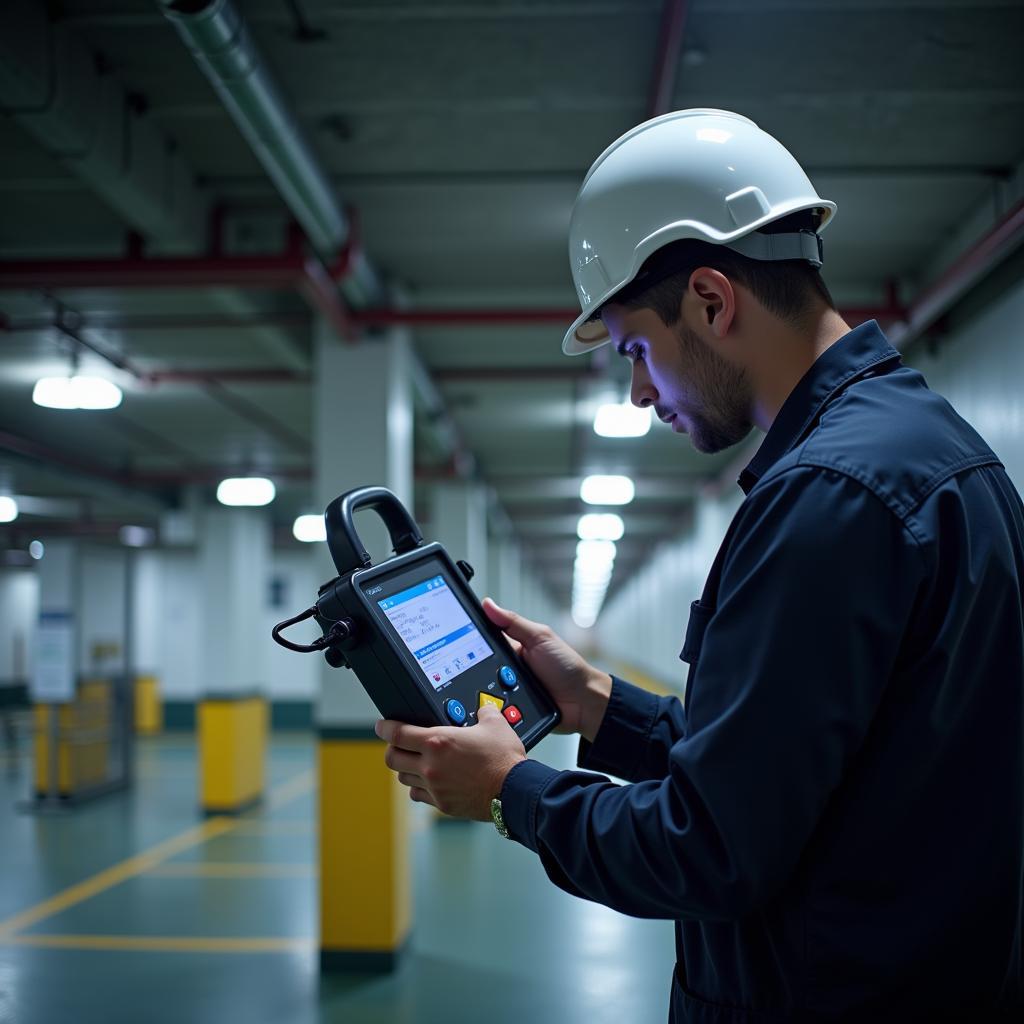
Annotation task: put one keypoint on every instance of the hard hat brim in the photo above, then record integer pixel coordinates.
(588, 332)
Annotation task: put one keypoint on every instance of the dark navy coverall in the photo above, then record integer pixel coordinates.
(835, 818)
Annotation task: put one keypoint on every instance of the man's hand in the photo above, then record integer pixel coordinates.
(580, 690)
(459, 771)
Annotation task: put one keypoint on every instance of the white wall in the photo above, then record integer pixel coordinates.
(177, 618)
(979, 368)
(19, 611)
(291, 676)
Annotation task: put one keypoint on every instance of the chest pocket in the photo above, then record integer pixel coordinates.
(700, 616)
(701, 613)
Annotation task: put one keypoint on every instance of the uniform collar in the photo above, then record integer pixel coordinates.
(853, 356)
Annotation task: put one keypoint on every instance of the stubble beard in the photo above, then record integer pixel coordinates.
(723, 417)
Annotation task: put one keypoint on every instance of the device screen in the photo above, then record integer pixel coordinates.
(436, 629)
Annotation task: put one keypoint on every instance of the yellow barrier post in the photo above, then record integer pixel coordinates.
(232, 752)
(149, 709)
(365, 889)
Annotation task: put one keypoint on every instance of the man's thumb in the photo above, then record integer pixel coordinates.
(513, 624)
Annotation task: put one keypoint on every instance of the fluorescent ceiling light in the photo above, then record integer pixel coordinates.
(76, 393)
(595, 552)
(8, 509)
(600, 526)
(309, 529)
(625, 420)
(607, 490)
(598, 574)
(136, 536)
(246, 490)
(583, 620)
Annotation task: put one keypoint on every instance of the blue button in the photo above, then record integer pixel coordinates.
(507, 677)
(456, 711)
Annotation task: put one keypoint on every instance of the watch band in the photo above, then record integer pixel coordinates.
(498, 818)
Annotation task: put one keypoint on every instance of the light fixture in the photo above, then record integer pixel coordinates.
(600, 526)
(136, 536)
(309, 529)
(36, 549)
(76, 392)
(607, 490)
(246, 491)
(622, 420)
(595, 552)
(8, 509)
(592, 570)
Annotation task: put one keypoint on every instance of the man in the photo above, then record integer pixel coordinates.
(835, 817)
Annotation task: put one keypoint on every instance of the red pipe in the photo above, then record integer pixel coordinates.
(666, 66)
(965, 271)
(461, 317)
(229, 375)
(209, 474)
(152, 272)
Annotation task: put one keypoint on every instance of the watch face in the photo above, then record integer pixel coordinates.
(498, 818)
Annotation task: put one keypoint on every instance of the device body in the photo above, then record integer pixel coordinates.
(414, 632)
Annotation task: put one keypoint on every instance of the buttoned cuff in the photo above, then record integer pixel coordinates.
(520, 795)
(624, 732)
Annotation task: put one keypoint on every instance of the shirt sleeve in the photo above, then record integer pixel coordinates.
(816, 591)
(637, 733)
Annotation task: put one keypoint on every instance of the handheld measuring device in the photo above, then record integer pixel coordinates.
(414, 632)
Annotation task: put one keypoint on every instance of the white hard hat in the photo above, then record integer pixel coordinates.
(705, 174)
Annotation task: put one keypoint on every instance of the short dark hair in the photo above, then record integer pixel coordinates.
(787, 288)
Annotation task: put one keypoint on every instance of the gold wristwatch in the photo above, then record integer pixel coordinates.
(498, 818)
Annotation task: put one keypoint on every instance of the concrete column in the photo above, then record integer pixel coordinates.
(234, 555)
(458, 519)
(363, 418)
(505, 573)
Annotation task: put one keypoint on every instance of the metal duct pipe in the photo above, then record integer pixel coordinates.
(219, 40)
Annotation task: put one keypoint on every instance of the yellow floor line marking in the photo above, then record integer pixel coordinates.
(166, 943)
(229, 869)
(640, 678)
(147, 860)
(290, 789)
(276, 828)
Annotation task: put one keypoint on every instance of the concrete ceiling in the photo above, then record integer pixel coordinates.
(460, 133)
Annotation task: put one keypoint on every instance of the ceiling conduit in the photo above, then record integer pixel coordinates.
(50, 84)
(219, 40)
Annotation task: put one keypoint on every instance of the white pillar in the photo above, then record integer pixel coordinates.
(362, 399)
(363, 437)
(234, 556)
(458, 519)
(505, 573)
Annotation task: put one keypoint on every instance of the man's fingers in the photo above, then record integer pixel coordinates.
(421, 796)
(410, 779)
(398, 734)
(402, 760)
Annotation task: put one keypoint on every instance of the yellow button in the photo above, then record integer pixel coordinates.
(486, 698)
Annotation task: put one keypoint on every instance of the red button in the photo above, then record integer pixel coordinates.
(512, 714)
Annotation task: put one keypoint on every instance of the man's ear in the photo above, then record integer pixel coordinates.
(711, 300)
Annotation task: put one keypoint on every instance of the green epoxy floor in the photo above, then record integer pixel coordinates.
(493, 940)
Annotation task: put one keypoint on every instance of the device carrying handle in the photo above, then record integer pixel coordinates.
(346, 548)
